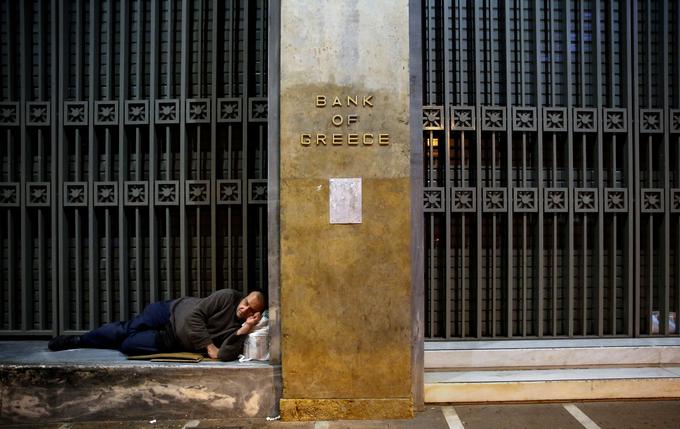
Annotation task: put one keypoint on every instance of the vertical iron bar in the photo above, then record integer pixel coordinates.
(78, 244)
(650, 229)
(478, 174)
(665, 79)
(107, 221)
(492, 281)
(554, 249)
(509, 183)
(599, 241)
(79, 46)
(170, 92)
(10, 96)
(584, 256)
(169, 262)
(650, 163)
(613, 246)
(55, 151)
(551, 102)
(230, 233)
(25, 247)
(42, 268)
(650, 159)
(154, 294)
(123, 261)
(63, 253)
(244, 146)
(464, 266)
(11, 257)
(184, 257)
(539, 177)
(139, 295)
(139, 89)
(198, 174)
(139, 253)
(430, 182)
(570, 173)
(108, 229)
(676, 82)
(609, 16)
(525, 280)
(633, 158)
(93, 253)
(261, 212)
(431, 65)
(216, 33)
(447, 283)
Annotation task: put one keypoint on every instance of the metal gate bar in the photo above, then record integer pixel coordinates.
(133, 156)
(550, 176)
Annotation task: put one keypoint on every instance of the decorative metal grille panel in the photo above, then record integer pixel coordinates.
(552, 127)
(124, 155)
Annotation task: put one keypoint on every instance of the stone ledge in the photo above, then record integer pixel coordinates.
(346, 409)
(90, 385)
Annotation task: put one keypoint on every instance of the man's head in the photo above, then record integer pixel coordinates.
(253, 303)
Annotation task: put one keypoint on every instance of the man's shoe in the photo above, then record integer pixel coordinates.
(64, 342)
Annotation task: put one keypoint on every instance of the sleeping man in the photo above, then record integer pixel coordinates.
(216, 325)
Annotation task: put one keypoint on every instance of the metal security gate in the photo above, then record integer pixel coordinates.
(551, 134)
(133, 148)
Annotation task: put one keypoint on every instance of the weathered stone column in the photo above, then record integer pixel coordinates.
(346, 210)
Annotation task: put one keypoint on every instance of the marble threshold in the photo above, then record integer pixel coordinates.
(552, 385)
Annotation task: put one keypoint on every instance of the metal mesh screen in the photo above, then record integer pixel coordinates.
(551, 135)
(133, 156)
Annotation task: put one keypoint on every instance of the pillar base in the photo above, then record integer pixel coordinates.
(346, 409)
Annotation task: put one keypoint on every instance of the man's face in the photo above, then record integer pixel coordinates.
(248, 306)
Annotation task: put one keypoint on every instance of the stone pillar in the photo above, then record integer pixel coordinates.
(346, 211)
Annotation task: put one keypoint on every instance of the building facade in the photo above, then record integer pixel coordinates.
(516, 165)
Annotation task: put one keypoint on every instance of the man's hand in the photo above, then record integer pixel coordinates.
(212, 351)
(249, 324)
(254, 319)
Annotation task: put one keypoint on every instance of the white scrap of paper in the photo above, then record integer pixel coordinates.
(345, 200)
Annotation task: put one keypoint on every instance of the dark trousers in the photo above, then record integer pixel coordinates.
(133, 337)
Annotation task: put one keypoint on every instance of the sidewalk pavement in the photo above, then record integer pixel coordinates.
(589, 415)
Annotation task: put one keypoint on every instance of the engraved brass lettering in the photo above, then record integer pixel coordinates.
(339, 120)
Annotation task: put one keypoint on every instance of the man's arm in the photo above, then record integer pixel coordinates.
(233, 345)
(199, 336)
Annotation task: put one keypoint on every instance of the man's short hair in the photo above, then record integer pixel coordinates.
(261, 295)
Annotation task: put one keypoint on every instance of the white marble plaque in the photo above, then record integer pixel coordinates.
(345, 200)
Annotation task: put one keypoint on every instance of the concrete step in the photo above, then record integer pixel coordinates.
(87, 384)
(534, 354)
(552, 385)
